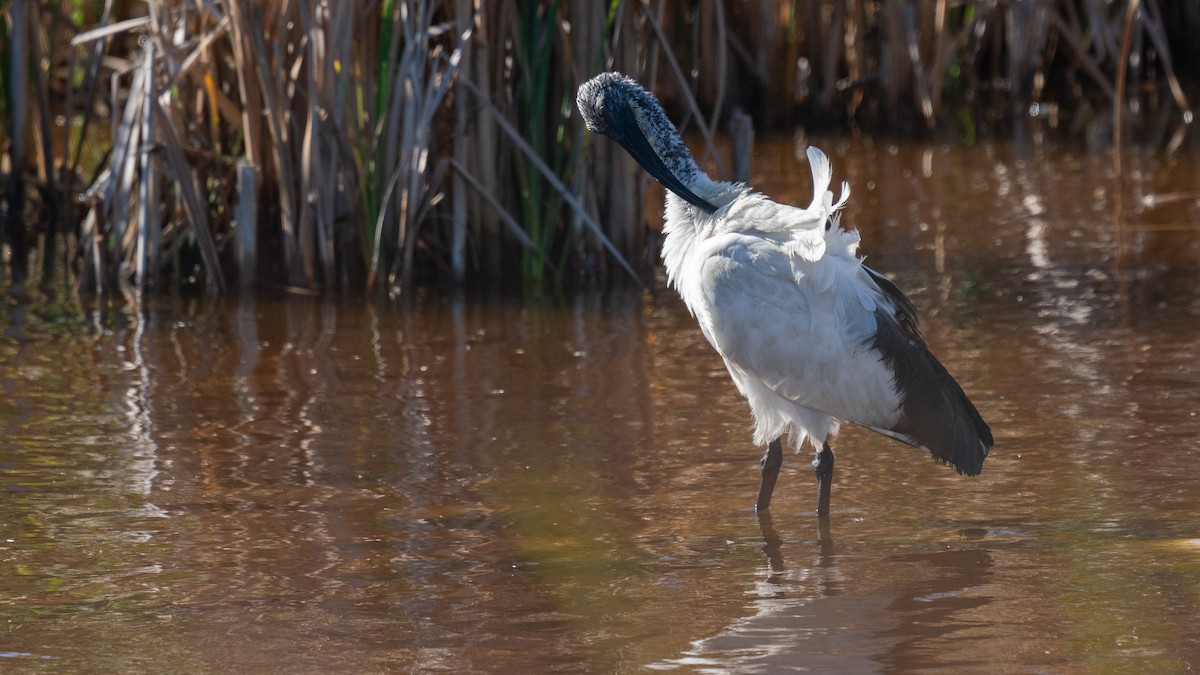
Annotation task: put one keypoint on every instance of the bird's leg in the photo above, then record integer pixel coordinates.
(823, 466)
(771, 460)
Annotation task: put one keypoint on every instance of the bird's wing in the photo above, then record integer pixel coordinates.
(935, 413)
(801, 327)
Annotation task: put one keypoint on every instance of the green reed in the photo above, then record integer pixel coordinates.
(537, 27)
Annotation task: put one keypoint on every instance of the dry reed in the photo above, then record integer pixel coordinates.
(374, 144)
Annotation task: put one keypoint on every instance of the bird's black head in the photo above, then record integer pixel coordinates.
(616, 106)
(604, 102)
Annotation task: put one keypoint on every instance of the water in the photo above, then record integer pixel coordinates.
(294, 484)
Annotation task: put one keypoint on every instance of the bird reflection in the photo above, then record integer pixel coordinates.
(772, 546)
(805, 614)
(822, 573)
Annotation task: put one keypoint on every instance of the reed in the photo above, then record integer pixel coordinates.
(377, 144)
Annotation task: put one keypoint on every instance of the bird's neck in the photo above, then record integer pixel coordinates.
(669, 146)
(686, 227)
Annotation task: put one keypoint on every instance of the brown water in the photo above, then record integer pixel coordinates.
(299, 485)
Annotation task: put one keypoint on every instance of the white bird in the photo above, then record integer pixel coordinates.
(810, 334)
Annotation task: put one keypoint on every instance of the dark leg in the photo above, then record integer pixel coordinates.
(824, 470)
(771, 460)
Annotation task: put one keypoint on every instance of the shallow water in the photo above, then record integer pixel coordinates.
(476, 485)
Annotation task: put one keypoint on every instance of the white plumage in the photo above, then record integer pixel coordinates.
(809, 334)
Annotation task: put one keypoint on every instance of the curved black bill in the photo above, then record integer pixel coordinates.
(630, 136)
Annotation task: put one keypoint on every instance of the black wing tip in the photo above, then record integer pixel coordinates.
(965, 460)
(969, 447)
(970, 467)
(968, 460)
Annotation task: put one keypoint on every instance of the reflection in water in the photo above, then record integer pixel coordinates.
(817, 616)
(269, 483)
(773, 545)
(794, 612)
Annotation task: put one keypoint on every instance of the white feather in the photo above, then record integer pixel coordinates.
(822, 174)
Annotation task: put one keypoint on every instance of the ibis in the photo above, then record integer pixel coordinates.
(810, 335)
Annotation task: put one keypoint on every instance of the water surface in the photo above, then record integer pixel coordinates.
(297, 484)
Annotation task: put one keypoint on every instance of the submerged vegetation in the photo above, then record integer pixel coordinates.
(368, 145)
